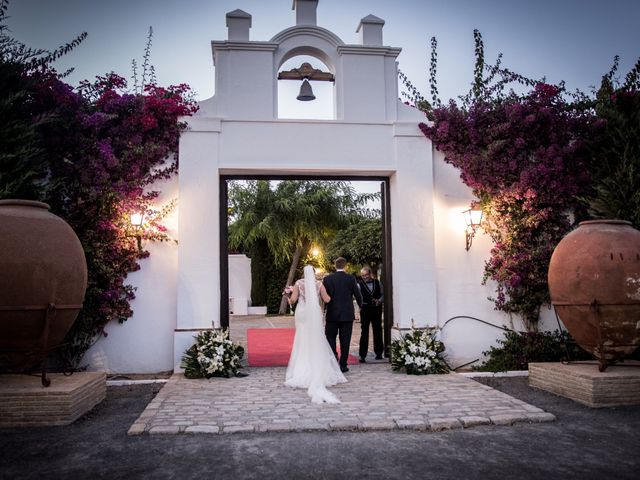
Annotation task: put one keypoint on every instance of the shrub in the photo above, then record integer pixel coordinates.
(517, 349)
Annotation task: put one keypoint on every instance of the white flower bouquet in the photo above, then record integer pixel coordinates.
(213, 355)
(419, 353)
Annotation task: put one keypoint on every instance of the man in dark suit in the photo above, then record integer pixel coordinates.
(370, 313)
(340, 314)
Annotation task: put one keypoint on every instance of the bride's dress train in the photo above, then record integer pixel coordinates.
(312, 364)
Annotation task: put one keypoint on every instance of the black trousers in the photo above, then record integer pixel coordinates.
(371, 315)
(343, 330)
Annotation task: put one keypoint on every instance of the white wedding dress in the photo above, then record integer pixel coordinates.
(312, 364)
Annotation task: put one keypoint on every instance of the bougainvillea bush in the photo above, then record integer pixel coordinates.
(106, 149)
(93, 153)
(534, 159)
(524, 158)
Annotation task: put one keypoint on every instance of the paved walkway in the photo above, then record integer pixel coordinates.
(374, 398)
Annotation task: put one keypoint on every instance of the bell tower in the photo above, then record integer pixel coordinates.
(247, 71)
(238, 134)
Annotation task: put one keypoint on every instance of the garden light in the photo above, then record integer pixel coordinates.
(473, 219)
(136, 220)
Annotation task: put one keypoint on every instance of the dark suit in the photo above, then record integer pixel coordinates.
(371, 314)
(342, 288)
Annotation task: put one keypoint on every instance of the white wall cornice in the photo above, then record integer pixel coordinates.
(310, 30)
(218, 45)
(407, 129)
(226, 45)
(365, 50)
(203, 124)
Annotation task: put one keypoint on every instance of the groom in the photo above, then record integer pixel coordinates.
(342, 288)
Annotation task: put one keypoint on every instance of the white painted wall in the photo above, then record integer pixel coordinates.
(239, 284)
(144, 343)
(460, 272)
(412, 229)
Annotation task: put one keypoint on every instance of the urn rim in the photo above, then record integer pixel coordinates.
(23, 203)
(613, 221)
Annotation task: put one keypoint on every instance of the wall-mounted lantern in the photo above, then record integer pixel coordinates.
(305, 73)
(136, 220)
(473, 219)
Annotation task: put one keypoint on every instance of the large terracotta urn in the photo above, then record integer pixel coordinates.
(594, 282)
(43, 278)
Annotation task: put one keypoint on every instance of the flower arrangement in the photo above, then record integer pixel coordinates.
(213, 355)
(419, 353)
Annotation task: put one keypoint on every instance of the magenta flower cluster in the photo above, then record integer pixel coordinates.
(524, 158)
(106, 147)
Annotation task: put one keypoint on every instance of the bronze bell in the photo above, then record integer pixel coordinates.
(306, 94)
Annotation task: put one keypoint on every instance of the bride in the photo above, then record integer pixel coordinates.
(312, 364)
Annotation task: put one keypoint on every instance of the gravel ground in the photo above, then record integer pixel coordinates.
(583, 443)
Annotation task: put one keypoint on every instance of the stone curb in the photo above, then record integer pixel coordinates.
(436, 425)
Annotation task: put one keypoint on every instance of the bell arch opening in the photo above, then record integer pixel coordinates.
(295, 100)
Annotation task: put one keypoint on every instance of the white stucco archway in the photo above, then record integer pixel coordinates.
(374, 135)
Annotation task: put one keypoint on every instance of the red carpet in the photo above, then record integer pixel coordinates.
(271, 347)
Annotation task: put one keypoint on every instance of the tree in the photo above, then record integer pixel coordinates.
(23, 160)
(615, 150)
(360, 243)
(254, 199)
(290, 217)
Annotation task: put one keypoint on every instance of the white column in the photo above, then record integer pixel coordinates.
(199, 243)
(305, 11)
(412, 229)
(238, 26)
(370, 30)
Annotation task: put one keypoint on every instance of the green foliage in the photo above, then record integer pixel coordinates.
(615, 151)
(23, 161)
(360, 243)
(261, 266)
(213, 355)
(419, 353)
(294, 213)
(291, 217)
(276, 278)
(517, 349)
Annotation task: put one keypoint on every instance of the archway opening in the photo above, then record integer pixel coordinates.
(322, 108)
(238, 324)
